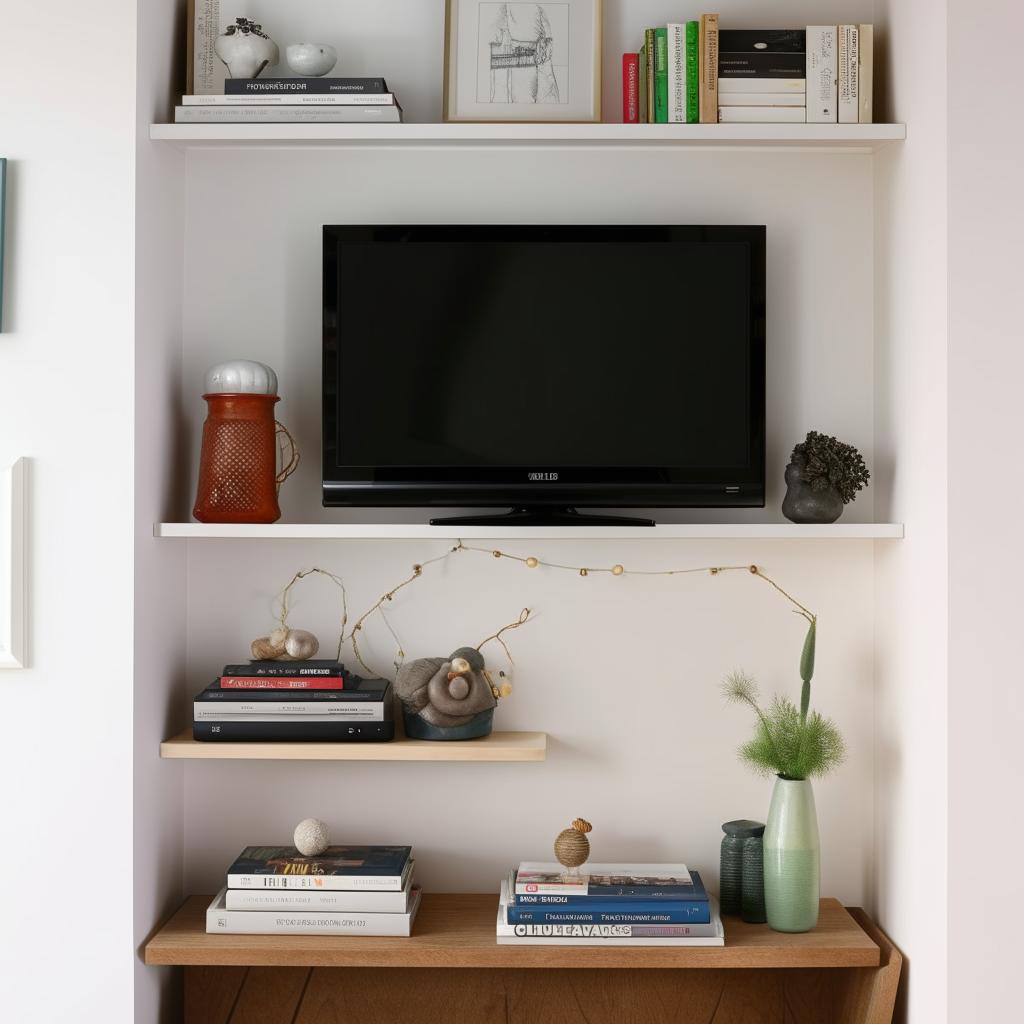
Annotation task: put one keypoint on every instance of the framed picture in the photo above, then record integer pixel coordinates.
(13, 628)
(522, 61)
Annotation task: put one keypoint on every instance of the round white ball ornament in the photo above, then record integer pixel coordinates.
(311, 837)
(240, 377)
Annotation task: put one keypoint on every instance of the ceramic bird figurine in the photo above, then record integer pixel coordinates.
(446, 698)
(572, 847)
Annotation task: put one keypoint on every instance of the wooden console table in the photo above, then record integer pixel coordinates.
(452, 971)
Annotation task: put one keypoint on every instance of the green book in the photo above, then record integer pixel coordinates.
(642, 79)
(649, 54)
(693, 72)
(661, 75)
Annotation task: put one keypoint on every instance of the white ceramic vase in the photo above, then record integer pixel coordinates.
(246, 49)
(311, 60)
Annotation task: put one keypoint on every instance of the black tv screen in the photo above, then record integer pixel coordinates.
(563, 366)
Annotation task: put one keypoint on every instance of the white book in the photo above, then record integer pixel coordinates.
(761, 99)
(318, 901)
(762, 115)
(338, 99)
(677, 74)
(264, 114)
(822, 74)
(591, 935)
(748, 85)
(548, 877)
(866, 74)
(220, 920)
(299, 711)
(849, 70)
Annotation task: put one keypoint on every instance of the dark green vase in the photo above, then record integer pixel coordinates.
(803, 504)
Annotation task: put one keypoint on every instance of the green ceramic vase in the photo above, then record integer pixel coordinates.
(791, 857)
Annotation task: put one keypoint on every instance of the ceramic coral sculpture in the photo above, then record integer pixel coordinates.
(246, 49)
(446, 698)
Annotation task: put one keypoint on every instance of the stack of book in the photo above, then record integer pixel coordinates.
(607, 904)
(293, 100)
(293, 700)
(694, 72)
(347, 890)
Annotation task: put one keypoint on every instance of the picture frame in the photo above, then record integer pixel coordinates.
(524, 62)
(13, 576)
(3, 221)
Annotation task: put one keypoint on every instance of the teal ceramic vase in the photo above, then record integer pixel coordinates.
(791, 857)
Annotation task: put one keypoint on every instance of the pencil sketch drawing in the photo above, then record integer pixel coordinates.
(524, 53)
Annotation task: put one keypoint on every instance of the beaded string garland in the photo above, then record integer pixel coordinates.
(530, 562)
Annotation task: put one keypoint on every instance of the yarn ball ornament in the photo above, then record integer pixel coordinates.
(572, 848)
(311, 837)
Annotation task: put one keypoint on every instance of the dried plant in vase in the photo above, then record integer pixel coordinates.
(823, 475)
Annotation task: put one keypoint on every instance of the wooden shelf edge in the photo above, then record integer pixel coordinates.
(499, 746)
(421, 531)
(458, 931)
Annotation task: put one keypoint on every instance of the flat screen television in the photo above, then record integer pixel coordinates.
(543, 369)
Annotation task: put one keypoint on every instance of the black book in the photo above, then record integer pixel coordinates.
(330, 731)
(298, 86)
(287, 669)
(762, 65)
(772, 40)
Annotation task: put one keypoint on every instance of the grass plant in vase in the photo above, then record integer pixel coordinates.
(795, 745)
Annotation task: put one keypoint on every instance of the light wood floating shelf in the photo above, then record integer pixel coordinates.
(458, 931)
(499, 746)
(421, 531)
(858, 137)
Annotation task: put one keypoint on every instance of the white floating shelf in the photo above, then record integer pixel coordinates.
(421, 531)
(859, 137)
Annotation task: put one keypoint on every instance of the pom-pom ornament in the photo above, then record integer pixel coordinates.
(311, 837)
(572, 848)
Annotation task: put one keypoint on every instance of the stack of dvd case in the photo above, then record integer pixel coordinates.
(609, 904)
(346, 890)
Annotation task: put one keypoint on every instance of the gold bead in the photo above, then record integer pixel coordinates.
(497, 554)
(417, 569)
(532, 563)
(495, 692)
(753, 569)
(583, 572)
(617, 570)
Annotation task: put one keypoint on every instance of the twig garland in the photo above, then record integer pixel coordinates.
(530, 562)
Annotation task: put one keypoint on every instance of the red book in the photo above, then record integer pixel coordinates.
(631, 88)
(282, 683)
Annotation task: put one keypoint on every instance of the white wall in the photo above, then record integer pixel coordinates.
(986, 550)
(66, 388)
(909, 887)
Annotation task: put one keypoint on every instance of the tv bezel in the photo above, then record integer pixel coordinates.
(575, 487)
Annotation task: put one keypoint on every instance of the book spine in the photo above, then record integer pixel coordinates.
(283, 669)
(676, 43)
(207, 71)
(286, 115)
(257, 922)
(761, 99)
(341, 99)
(604, 931)
(849, 58)
(822, 74)
(772, 40)
(661, 75)
(649, 50)
(211, 711)
(642, 78)
(631, 88)
(866, 74)
(692, 72)
(333, 731)
(292, 86)
(748, 85)
(653, 899)
(316, 901)
(343, 883)
(709, 68)
(281, 683)
(762, 115)
(762, 65)
(698, 913)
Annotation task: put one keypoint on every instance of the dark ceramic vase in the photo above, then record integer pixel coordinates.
(803, 504)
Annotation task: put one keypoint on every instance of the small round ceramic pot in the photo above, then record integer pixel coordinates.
(311, 60)
(803, 504)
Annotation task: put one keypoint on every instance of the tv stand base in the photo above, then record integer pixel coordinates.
(541, 515)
